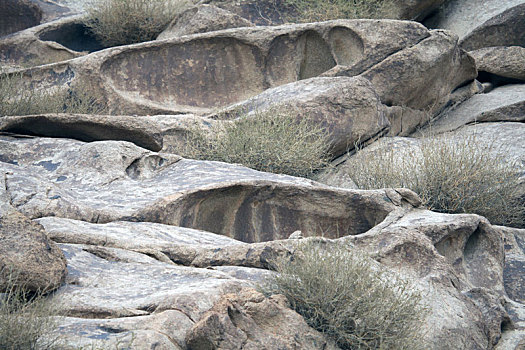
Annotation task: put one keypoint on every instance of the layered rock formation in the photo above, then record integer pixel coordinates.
(165, 252)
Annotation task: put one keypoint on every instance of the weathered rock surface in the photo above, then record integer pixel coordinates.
(109, 180)
(84, 127)
(203, 19)
(56, 41)
(505, 29)
(18, 15)
(505, 104)
(255, 59)
(348, 108)
(259, 12)
(27, 257)
(54, 9)
(250, 320)
(505, 142)
(514, 273)
(464, 17)
(501, 61)
(457, 260)
(423, 76)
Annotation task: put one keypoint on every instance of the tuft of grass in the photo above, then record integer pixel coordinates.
(25, 318)
(450, 175)
(325, 10)
(17, 99)
(342, 294)
(273, 141)
(123, 22)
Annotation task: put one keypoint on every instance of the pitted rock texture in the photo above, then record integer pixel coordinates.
(18, 15)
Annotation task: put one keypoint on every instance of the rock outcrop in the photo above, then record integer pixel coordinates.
(18, 15)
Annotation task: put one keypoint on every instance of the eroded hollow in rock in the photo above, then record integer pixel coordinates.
(212, 72)
(75, 36)
(259, 213)
(497, 80)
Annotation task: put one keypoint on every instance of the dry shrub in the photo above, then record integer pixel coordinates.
(123, 22)
(17, 99)
(274, 141)
(450, 175)
(25, 318)
(324, 10)
(342, 294)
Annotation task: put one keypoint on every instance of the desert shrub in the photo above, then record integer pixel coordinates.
(324, 10)
(450, 175)
(17, 99)
(274, 141)
(342, 294)
(122, 22)
(25, 321)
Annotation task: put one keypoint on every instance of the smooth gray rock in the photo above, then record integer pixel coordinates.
(503, 104)
(463, 17)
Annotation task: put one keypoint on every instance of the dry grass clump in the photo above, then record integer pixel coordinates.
(274, 141)
(25, 319)
(342, 294)
(450, 175)
(324, 10)
(123, 22)
(17, 99)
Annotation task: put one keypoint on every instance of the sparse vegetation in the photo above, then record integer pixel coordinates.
(25, 319)
(450, 176)
(342, 294)
(324, 10)
(122, 22)
(274, 141)
(17, 99)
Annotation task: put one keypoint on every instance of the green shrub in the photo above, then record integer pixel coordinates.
(274, 141)
(17, 99)
(342, 294)
(122, 22)
(25, 319)
(324, 10)
(450, 176)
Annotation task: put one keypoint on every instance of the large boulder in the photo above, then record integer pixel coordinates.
(505, 29)
(466, 17)
(416, 9)
(203, 19)
(221, 68)
(251, 320)
(501, 63)
(28, 259)
(145, 186)
(18, 15)
(348, 108)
